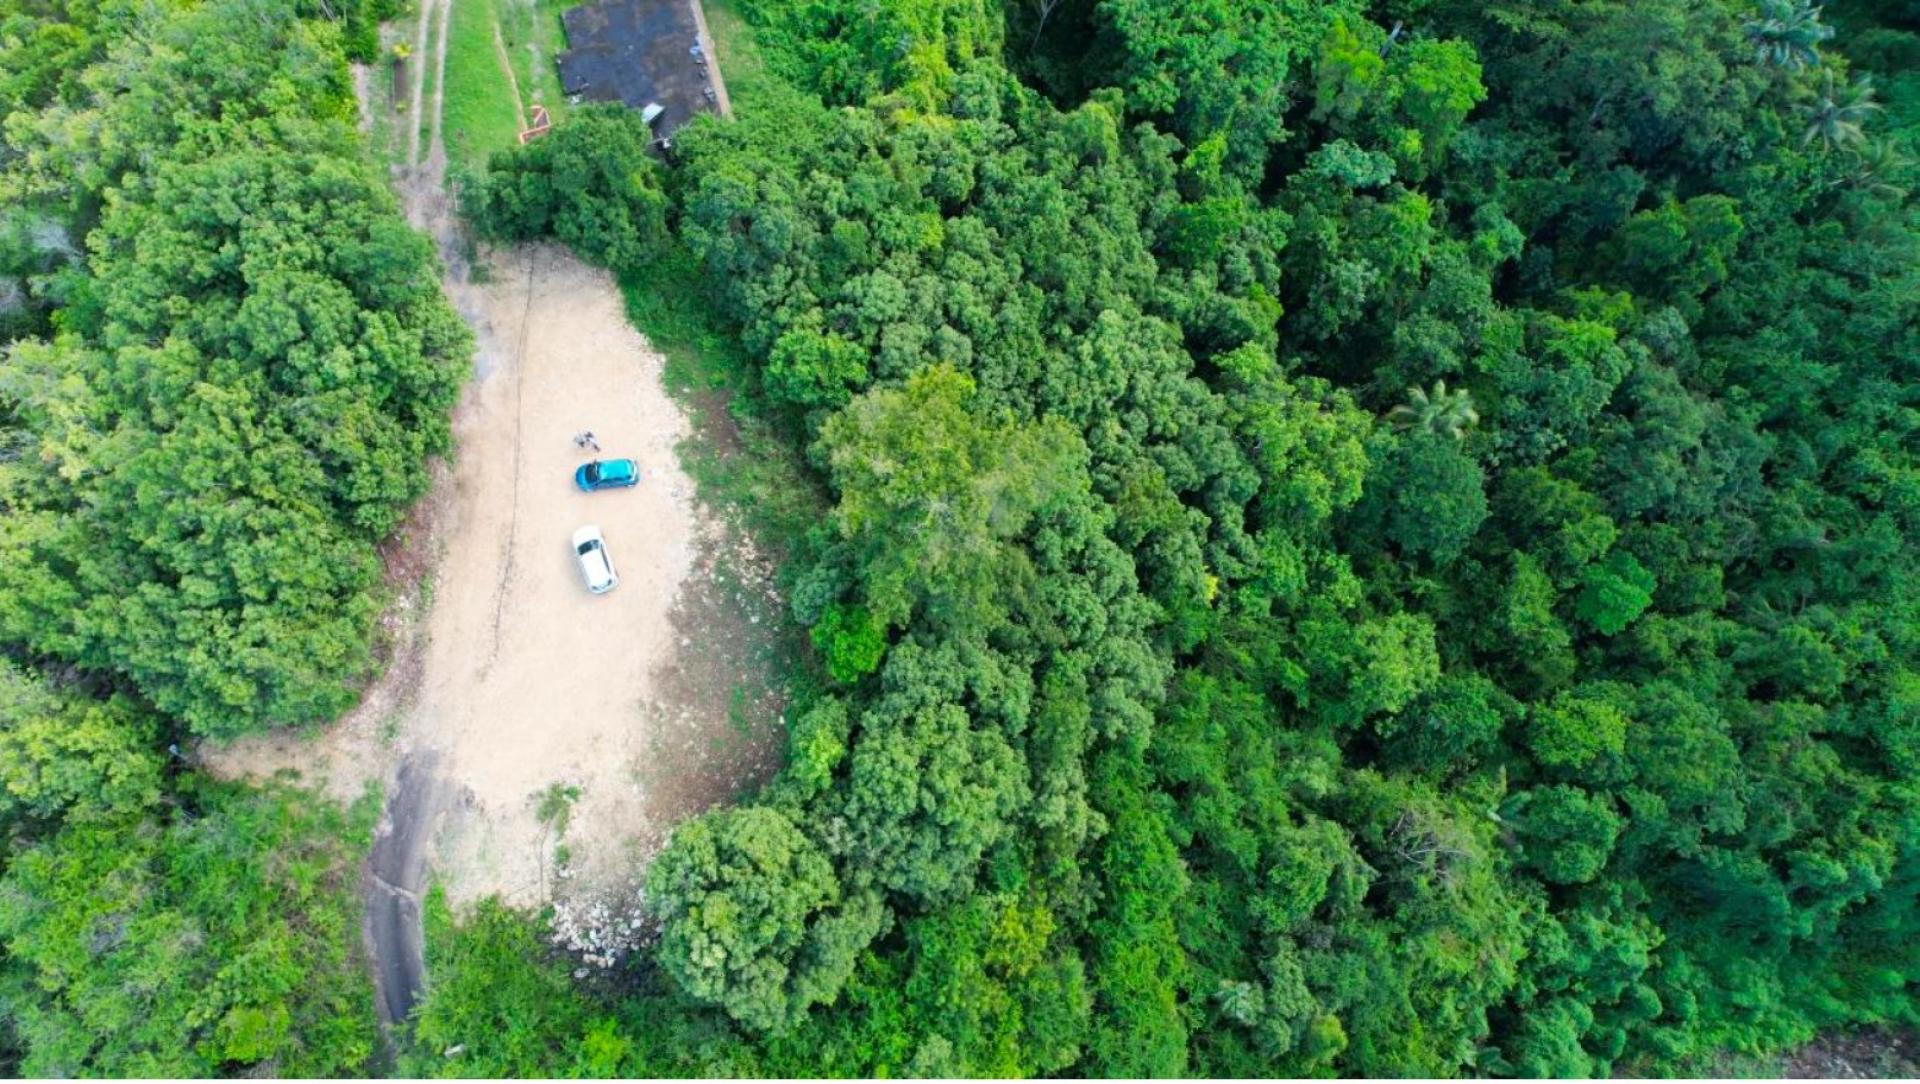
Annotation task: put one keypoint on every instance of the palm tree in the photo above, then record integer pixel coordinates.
(1839, 111)
(1440, 411)
(1241, 1002)
(1877, 168)
(1786, 33)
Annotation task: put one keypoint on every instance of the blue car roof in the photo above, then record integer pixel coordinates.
(617, 468)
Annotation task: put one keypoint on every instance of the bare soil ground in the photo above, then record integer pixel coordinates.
(505, 681)
(1868, 1054)
(529, 680)
(655, 700)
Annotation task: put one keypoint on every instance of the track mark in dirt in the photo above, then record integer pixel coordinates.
(422, 58)
(513, 514)
(435, 148)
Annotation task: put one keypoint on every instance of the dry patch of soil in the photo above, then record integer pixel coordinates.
(653, 701)
(529, 680)
(535, 742)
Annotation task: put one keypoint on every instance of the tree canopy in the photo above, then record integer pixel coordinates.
(1368, 539)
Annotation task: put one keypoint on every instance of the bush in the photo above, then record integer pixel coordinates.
(589, 183)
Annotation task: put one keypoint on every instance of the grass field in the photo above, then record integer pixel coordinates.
(494, 47)
(741, 64)
(482, 112)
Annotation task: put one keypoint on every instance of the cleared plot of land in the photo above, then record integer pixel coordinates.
(537, 742)
(550, 738)
(654, 700)
(530, 681)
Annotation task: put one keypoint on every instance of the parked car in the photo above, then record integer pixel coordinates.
(607, 474)
(595, 564)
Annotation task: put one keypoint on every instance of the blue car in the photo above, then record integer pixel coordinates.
(607, 474)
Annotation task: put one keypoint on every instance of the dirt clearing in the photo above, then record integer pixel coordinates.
(530, 681)
(637, 707)
(536, 742)
(551, 738)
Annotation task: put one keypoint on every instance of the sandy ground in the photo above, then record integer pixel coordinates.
(503, 679)
(530, 681)
(525, 681)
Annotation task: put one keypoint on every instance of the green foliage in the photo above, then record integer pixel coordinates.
(852, 641)
(1435, 495)
(1569, 833)
(1475, 752)
(226, 359)
(65, 754)
(500, 999)
(238, 398)
(755, 917)
(929, 793)
(219, 939)
(851, 53)
(810, 369)
(1614, 593)
(1787, 33)
(1574, 731)
(929, 490)
(590, 182)
(1184, 718)
(1216, 67)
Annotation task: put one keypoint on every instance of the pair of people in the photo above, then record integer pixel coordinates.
(585, 439)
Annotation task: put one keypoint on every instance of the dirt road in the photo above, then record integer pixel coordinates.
(536, 742)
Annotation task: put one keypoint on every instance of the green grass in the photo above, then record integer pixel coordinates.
(741, 63)
(480, 112)
(556, 806)
(532, 30)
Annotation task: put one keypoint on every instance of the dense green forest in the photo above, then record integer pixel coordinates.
(228, 360)
(1356, 540)
(1345, 538)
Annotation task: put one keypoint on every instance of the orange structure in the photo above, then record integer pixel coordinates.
(541, 122)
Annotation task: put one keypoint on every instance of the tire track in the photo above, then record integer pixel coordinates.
(513, 512)
(421, 59)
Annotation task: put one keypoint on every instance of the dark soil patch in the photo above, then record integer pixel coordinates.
(1870, 1054)
(717, 726)
(640, 53)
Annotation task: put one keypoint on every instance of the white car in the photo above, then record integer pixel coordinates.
(595, 565)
